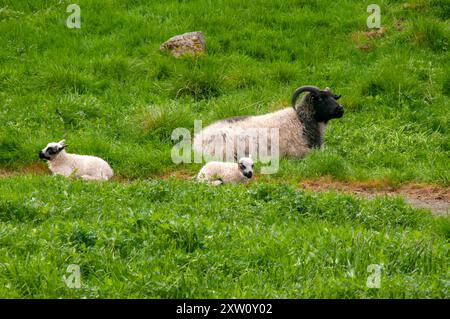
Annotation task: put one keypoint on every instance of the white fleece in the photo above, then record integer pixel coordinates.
(221, 173)
(84, 166)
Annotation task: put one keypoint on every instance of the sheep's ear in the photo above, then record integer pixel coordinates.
(62, 143)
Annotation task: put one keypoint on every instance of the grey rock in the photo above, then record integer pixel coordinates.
(192, 43)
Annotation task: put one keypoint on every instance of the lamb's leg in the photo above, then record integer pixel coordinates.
(216, 183)
(91, 178)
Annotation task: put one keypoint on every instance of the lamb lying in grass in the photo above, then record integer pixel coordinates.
(217, 173)
(89, 168)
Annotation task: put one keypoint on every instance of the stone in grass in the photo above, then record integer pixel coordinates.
(192, 43)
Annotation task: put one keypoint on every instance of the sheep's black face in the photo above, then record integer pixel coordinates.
(326, 106)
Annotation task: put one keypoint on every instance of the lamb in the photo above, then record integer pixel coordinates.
(218, 173)
(89, 168)
(301, 128)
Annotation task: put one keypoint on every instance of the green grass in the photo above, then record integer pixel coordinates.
(109, 92)
(183, 239)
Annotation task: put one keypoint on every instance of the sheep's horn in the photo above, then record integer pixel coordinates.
(300, 90)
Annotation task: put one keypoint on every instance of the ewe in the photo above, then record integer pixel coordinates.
(301, 127)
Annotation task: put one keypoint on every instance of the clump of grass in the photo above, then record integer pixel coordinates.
(441, 9)
(11, 147)
(159, 122)
(241, 73)
(162, 70)
(430, 35)
(75, 111)
(10, 14)
(198, 79)
(321, 164)
(446, 86)
(374, 88)
(60, 80)
(117, 68)
(282, 73)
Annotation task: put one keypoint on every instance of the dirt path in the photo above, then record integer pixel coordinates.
(433, 197)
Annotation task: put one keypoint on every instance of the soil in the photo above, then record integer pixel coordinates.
(433, 197)
(34, 169)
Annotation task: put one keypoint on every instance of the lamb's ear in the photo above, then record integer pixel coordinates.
(62, 143)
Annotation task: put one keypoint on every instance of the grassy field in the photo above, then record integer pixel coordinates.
(180, 239)
(108, 91)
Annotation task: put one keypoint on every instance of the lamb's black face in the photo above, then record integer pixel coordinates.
(246, 167)
(326, 106)
(51, 150)
(43, 156)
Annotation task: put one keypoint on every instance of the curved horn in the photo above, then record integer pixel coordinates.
(300, 90)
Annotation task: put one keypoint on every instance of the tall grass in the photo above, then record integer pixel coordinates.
(178, 239)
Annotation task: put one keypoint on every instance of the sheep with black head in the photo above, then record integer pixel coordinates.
(301, 127)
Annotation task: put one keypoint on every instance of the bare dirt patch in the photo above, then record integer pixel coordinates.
(378, 33)
(180, 174)
(34, 169)
(432, 197)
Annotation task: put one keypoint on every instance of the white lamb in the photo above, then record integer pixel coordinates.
(89, 168)
(217, 173)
